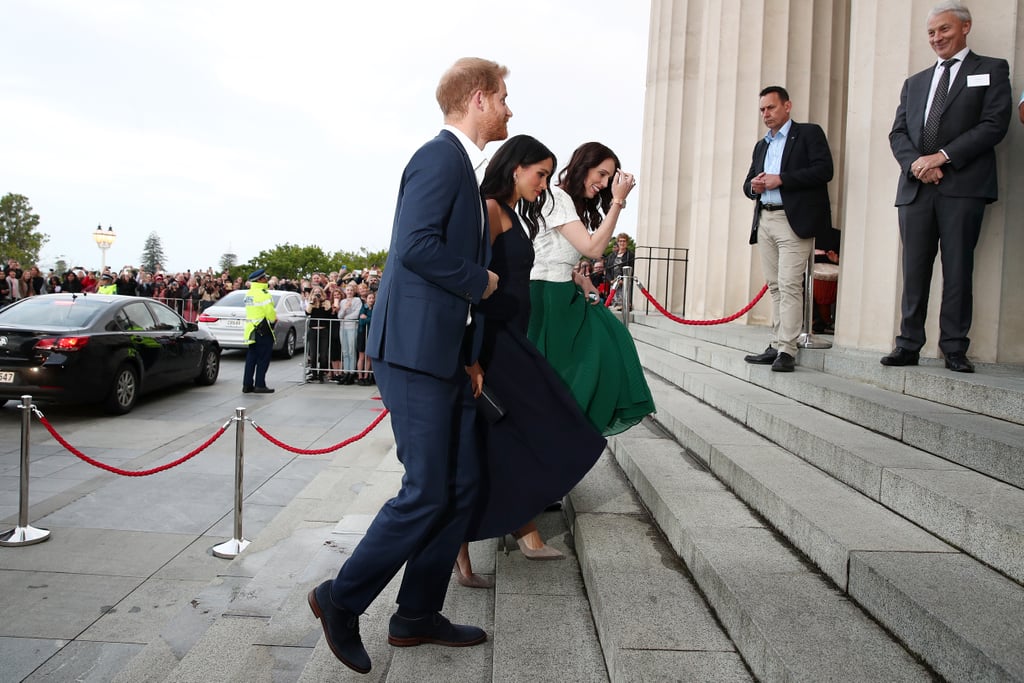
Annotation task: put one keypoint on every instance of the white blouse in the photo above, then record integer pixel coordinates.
(555, 256)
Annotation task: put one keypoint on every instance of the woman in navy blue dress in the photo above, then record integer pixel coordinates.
(544, 444)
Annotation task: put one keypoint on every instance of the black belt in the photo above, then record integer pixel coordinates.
(771, 207)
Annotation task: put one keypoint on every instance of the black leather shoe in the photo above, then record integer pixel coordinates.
(901, 356)
(246, 390)
(766, 358)
(433, 628)
(341, 629)
(784, 363)
(262, 390)
(957, 362)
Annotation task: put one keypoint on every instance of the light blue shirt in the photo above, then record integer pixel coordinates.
(773, 160)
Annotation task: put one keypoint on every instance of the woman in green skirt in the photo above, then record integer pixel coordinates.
(589, 348)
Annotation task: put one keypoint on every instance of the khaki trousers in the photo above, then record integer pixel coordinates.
(784, 258)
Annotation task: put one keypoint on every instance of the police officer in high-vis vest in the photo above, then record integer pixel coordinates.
(107, 285)
(260, 317)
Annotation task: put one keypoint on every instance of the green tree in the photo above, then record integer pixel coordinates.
(152, 253)
(61, 267)
(18, 236)
(290, 260)
(228, 261)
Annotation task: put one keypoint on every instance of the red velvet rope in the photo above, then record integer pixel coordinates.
(611, 294)
(719, 321)
(128, 473)
(320, 451)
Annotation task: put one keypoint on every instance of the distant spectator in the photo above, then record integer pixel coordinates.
(71, 283)
(54, 285)
(364, 365)
(125, 283)
(620, 258)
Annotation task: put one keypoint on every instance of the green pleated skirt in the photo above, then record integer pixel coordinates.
(592, 352)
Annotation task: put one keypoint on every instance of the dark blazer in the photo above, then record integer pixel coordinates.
(436, 265)
(974, 120)
(806, 172)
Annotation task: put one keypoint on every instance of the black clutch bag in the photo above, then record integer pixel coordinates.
(489, 406)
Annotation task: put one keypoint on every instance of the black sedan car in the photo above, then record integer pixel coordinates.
(98, 348)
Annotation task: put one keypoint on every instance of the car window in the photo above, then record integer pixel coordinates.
(53, 311)
(292, 304)
(166, 319)
(235, 298)
(135, 317)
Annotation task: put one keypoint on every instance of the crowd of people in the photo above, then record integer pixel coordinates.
(340, 307)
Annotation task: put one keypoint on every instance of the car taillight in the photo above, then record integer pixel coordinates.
(61, 343)
(203, 318)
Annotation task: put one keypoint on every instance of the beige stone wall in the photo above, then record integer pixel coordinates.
(843, 63)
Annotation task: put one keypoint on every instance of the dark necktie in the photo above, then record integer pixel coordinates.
(930, 136)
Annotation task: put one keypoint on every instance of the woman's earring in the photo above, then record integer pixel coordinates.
(515, 179)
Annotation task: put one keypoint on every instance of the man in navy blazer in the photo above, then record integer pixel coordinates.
(945, 146)
(423, 336)
(788, 181)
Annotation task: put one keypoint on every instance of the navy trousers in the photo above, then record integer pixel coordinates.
(424, 525)
(257, 360)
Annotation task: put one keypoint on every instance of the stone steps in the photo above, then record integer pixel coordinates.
(842, 495)
(978, 514)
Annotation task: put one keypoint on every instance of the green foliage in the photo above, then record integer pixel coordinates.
(61, 267)
(152, 253)
(18, 236)
(294, 261)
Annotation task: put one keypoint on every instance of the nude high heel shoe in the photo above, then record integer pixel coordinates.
(544, 553)
(473, 580)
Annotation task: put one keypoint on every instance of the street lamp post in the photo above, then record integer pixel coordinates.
(103, 240)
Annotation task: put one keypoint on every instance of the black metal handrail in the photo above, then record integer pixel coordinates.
(670, 255)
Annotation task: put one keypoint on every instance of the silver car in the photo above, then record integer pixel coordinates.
(225, 320)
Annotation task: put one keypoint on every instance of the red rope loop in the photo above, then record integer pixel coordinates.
(719, 321)
(129, 473)
(611, 294)
(320, 451)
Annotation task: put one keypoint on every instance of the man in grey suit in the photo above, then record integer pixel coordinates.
(949, 120)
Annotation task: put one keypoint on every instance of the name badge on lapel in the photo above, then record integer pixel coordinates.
(977, 80)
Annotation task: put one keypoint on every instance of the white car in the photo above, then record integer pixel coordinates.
(225, 320)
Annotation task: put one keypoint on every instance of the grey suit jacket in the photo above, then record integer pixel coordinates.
(976, 116)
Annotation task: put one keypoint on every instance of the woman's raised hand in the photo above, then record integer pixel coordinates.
(622, 184)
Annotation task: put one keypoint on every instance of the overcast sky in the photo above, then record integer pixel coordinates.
(237, 126)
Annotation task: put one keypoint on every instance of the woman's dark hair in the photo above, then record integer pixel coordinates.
(573, 179)
(518, 150)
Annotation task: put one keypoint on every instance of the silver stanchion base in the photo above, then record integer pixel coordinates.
(24, 535)
(230, 549)
(807, 341)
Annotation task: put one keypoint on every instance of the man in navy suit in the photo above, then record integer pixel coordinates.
(949, 120)
(423, 337)
(788, 181)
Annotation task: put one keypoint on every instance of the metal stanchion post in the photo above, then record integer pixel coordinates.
(627, 294)
(806, 339)
(231, 549)
(24, 533)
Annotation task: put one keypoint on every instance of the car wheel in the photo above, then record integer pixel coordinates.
(125, 391)
(288, 350)
(210, 369)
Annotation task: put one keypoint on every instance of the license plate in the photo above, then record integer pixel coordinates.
(6, 377)
(233, 323)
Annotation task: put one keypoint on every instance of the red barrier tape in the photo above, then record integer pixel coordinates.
(320, 451)
(129, 473)
(719, 321)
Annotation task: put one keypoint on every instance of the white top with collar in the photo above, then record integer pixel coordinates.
(555, 256)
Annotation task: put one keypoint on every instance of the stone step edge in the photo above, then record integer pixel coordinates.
(978, 532)
(996, 391)
(773, 649)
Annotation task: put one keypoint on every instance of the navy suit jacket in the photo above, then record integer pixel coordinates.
(806, 170)
(436, 267)
(974, 120)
